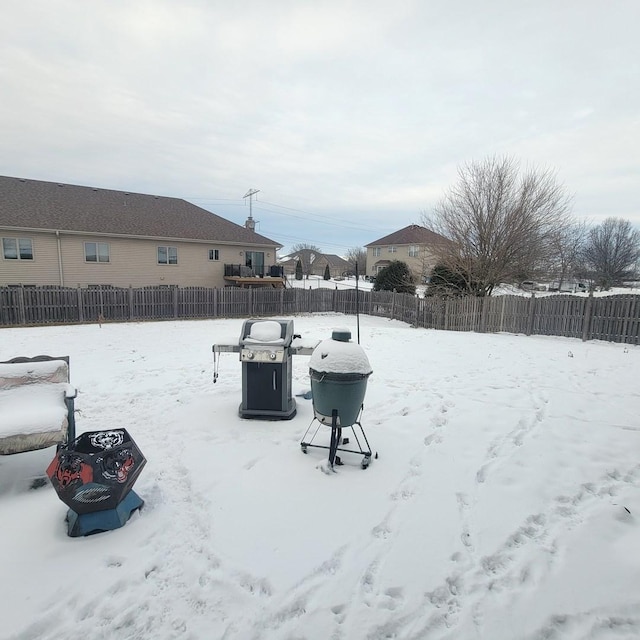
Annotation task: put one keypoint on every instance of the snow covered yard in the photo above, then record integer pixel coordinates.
(504, 504)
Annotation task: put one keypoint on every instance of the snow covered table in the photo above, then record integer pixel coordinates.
(36, 403)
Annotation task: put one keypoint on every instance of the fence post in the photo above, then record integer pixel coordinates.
(281, 301)
(504, 300)
(483, 314)
(80, 307)
(21, 310)
(250, 302)
(532, 311)
(393, 305)
(586, 322)
(130, 302)
(175, 302)
(446, 314)
(625, 320)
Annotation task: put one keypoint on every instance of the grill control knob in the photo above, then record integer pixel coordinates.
(250, 355)
(272, 355)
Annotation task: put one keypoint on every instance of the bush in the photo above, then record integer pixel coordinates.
(445, 282)
(299, 270)
(395, 277)
(327, 273)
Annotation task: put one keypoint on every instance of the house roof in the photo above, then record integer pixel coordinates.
(335, 261)
(306, 257)
(413, 234)
(34, 204)
(310, 256)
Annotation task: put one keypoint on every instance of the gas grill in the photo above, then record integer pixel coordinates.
(266, 350)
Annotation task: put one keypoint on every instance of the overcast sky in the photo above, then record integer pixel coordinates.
(351, 118)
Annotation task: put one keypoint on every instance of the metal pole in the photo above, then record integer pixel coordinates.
(357, 302)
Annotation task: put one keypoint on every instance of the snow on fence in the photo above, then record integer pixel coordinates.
(613, 318)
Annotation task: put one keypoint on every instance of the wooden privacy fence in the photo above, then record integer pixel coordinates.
(612, 318)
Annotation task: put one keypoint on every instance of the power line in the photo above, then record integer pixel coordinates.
(296, 239)
(323, 219)
(331, 224)
(307, 213)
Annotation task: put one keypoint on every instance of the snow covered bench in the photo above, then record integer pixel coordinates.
(36, 403)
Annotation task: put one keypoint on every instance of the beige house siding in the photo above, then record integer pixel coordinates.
(43, 269)
(421, 265)
(132, 262)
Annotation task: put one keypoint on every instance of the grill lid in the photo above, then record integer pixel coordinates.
(272, 333)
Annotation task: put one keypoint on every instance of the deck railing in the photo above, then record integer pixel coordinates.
(243, 271)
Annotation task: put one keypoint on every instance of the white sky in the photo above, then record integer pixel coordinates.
(350, 117)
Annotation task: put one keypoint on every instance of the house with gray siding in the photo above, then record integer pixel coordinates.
(76, 236)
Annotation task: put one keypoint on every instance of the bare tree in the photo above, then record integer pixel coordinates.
(301, 246)
(611, 252)
(357, 256)
(498, 222)
(567, 245)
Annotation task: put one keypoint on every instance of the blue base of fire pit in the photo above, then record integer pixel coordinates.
(86, 524)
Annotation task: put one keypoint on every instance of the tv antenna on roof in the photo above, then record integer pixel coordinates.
(250, 223)
(250, 194)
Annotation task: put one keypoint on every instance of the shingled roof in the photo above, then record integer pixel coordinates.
(34, 204)
(413, 234)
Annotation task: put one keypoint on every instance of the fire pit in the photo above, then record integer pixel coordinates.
(94, 476)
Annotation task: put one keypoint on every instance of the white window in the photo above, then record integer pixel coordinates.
(414, 251)
(214, 254)
(167, 255)
(96, 252)
(376, 252)
(17, 249)
(392, 249)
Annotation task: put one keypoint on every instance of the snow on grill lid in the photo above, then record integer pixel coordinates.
(336, 356)
(265, 331)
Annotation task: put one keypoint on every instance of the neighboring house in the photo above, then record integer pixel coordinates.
(67, 235)
(412, 245)
(315, 263)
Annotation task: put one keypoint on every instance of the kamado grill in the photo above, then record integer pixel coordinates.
(339, 370)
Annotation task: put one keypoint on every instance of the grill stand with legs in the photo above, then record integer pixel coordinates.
(337, 440)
